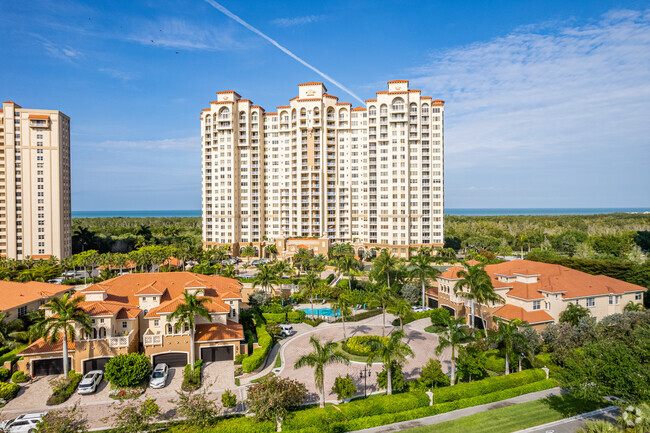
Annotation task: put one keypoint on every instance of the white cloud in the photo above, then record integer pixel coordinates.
(297, 21)
(64, 52)
(541, 92)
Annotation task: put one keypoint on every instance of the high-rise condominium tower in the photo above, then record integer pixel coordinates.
(34, 183)
(318, 168)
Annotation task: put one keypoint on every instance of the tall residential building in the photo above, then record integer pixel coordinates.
(318, 168)
(35, 217)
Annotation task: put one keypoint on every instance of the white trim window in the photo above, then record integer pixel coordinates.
(537, 305)
(591, 302)
(638, 296)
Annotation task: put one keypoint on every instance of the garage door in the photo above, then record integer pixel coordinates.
(433, 303)
(95, 364)
(174, 359)
(451, 310)
(45, 367)
(222, 353)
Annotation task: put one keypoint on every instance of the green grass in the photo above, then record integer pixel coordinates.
(10, 356)
(260, 379)
(516, 417)
(357, 358)
(278, 361)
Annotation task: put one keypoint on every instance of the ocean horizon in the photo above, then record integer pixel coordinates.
(448, 211)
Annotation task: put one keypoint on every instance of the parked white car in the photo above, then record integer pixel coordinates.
(286, 331)
(90, 382)
(417, 309)
(22, 424)
(159, 376)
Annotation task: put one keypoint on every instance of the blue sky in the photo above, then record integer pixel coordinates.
(547, 102)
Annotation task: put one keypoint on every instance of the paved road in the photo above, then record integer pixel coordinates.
(570, 425)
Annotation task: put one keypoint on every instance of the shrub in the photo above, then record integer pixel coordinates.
(494, 361)
(358, 345)
(313, 323)
(272, 398)
(192, 376)
(275, 317)
(239, 358)
(296, 316)
(432, 375)
(4, 374)
(8, 390)
(19, 377)
(344, 387)
(439, 316)
(197, 408)
(396, 377)
(128, 370)
(252, 362)
(229, 399)
(363, 315)
(69, 420)
(63, 387)
(133, 417)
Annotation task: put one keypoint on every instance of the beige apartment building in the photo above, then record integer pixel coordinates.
(35, 213)
(536, 293)
(317, 168)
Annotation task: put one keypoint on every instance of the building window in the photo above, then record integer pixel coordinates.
(591, 302)
(618, 299)
(611, 300)
(22, 311)
(156, 322)
(537, 305)
(638, 296)
(124, 325)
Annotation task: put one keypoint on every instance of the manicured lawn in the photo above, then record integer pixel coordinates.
(517, 417)
(11, 355)
(357, 358)
(278, 361)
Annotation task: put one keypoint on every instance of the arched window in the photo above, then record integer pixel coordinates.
(343, 114)
(398, 104)
(330, 114)
(170, 329)
(383, 110)
(102, 332)
(303, 113)
(293, 114)
(242, 116)
(224, 113)
(372, 110)
(94, 333)
(254, 117)
(414, 108)
(425, 108)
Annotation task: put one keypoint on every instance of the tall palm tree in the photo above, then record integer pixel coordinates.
(308, 284)
(345, 265)
(85, 237)
(229, 271)
(380, 297)
(390, 352)
(384, 264)
(271, 250)
(342, 304)
(453, 336)
(420, 269)
(266, 278)
(400, 307)
(186, 313)
(248, 251)
(481, 291)
(321, 356)
(66, 314)
(507, 335)
(218, 254)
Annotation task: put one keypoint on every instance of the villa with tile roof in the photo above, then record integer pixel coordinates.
(130, 313)
(18, 299)
(536, 292)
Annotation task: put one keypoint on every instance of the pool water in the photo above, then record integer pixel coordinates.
(320, 311)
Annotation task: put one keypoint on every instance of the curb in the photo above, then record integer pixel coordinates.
(573, 418)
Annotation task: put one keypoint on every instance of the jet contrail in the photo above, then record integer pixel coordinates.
(225, 11)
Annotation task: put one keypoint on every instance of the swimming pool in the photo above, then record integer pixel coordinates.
(320, 311)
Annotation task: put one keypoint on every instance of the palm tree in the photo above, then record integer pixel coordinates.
(186, 312)
(308, 284)
(302, 258)
(420, 269)
(271, 250)
(266, 277)
(10, 331)
(66, 314)
(390, 352)
(342, 304)
(508, 335)
(345, 265)
(480, 287)
(453, 336)
(384, 264)
(34, 330)
(229, 271)
(633, 306)
(400, 308)
(218, 254)
(381, 297)
(85, 237)
(248, 251)
(573, 314)
(321, 356)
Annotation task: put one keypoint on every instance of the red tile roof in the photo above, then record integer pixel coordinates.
(44, 346)
(511, 312)
(451, 273)
(219, 331)
(38, 116)
(359, 109)
(14, 294)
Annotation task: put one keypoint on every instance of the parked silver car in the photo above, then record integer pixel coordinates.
(90, 382)
(159, 376)
(22, 424)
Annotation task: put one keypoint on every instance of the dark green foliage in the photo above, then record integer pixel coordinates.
(239, 358)
(229, 399)
(358, 345)
(432, 375)
(494, 361)
(8, 390)
(471, 363)
(344, 387)
(192, 376)
(257, 358)
(412, 317)
(397, 378)
(128, 370)
(19, 377)
(439, 316)
(63, 388)
(642, 239)
(4, 374)
(362, 315)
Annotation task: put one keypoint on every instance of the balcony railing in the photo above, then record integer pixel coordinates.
(123, 341)
(153, 340)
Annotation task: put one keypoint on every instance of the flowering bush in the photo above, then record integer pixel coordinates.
(272, 398)
(70, 420)
(133, 417)
(125, 394)
(197, 408)
(358, 345)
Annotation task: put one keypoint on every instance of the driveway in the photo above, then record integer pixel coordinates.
(219, 375)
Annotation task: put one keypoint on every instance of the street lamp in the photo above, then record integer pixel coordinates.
(365, 374)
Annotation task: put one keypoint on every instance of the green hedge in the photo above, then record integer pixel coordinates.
(60, 395)
(274, 317)
(363, 315)
(290, 317)
(489, 385)
(296, 316)
(5, 374)
(258, 356)
(8, 390)
(19, 377)
(412, 317)
(494, 361)
(192, 376)
(358, 345)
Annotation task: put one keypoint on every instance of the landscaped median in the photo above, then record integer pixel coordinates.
(257, 358)
(383, 409)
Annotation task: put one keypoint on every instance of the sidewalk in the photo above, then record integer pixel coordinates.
(460, 413)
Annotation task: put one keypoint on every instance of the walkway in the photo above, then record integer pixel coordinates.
(460, 413)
